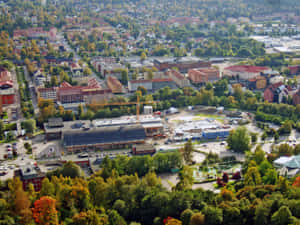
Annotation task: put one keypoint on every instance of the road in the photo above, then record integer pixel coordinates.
(33, 95)
(77, 57)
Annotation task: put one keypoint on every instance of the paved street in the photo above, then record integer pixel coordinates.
(33, 95)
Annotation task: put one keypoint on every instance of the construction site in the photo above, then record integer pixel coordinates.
(155, 128)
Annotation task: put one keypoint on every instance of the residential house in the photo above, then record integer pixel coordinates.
(257, 83)
(76, 69)
(277, 92)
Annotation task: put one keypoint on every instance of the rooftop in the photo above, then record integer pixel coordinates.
(29, 172)
(105, 135)
(247, 68)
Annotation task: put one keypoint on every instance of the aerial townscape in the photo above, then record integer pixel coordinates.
(149, 112)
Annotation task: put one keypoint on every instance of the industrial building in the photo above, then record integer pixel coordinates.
(200, 129)
(115, 137)
(103, 134)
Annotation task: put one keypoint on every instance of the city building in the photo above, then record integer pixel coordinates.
(114, 137)
(203, 75)
(114, 84)
(71, 94)
(161, 83)
(295, 70)
(183, 64)
(55, 128)
(108, 66)
(30, 174)
(134, 84)
(47, 93)
(151, 85)
(179, 79)
(245, 72)
(7, 92)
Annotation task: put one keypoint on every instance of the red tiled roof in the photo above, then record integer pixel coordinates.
(139, 81)
(8, 82)
(273, 87)
(93, 83)
(42, 89)
(177, 74)
(162, 80)
(246, 68)
(65, 84)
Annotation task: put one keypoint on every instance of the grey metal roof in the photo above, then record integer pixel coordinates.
(105, 135)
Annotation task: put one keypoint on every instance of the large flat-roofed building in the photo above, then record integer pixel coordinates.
(152, 125)
(53, 128)
(245, 72)
(180, 80)
(148, 126)
(182, 64)
(104, 138)
(204, 75)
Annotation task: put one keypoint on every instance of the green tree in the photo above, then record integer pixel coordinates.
(29, 126)
(187, 151)
(239, 140)
(252, 177)
(213, 216)
(282, 217)
(87, 71)
(69, 169)
(185, 178)
(271, 177)
(264, 167)
(185, 216)
(47, 188)
(1, 129)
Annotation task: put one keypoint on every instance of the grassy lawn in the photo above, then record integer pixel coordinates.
(211, 116)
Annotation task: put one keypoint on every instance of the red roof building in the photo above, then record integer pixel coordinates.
(7, 92)
(245, 72)
(204, 75)
(30, 174)
(114, 84)
(295, 70)
(178, 78)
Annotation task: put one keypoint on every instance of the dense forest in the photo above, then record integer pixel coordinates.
(112, 197)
